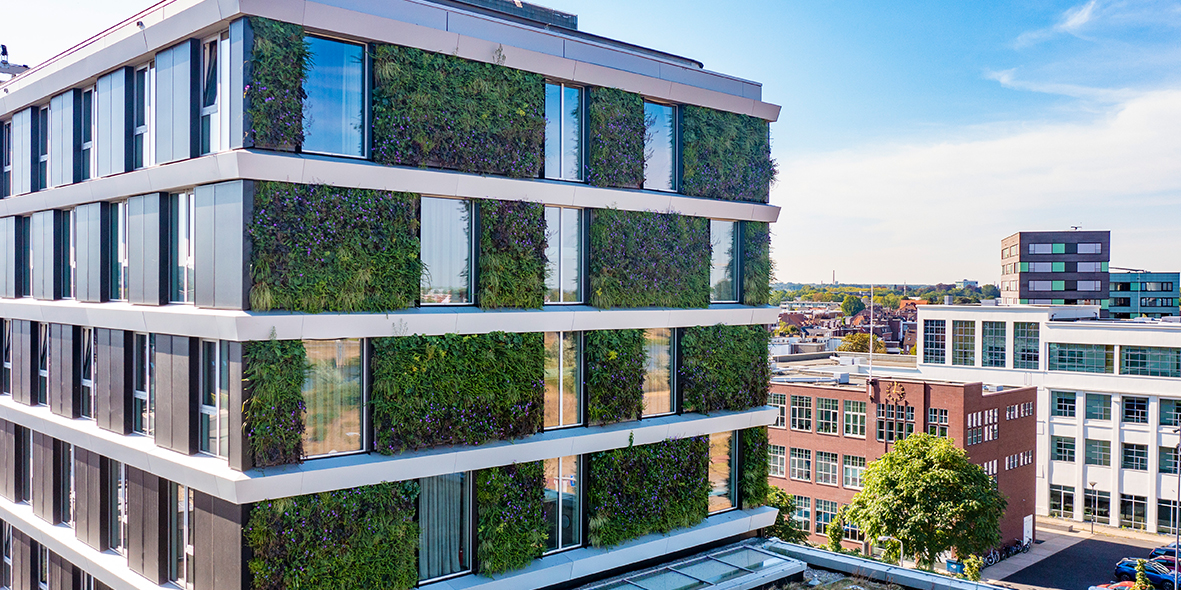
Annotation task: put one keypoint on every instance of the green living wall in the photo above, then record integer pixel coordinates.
(753, 487)
(451, 389)
(756, 263)
(643, 259)
(364, 537)
(273, 415)
(327, 249)
(512, 254)
(615, 129)
(725, 155)
(724, 368)
(615, 362)
(511, 528)
(432, 109)
(274, 97)
(653, 488)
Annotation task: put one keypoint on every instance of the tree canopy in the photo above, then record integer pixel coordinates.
(785, 527)
(927, 494)
(859, 342)
(852, 305)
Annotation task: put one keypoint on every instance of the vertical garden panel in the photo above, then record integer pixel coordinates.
(273, 415)
(273, 104)
(511, 530)
(615, 369)
(643, 259)
(725, 155)
(724, 368)
(512, 254)
(616, 130)
(756, 263)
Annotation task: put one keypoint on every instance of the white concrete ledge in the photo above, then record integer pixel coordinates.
(353, 173)
(881, 572)
(588, 561)
(214, 476)
(108, 567)
(242, 326)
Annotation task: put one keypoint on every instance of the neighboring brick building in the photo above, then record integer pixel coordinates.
(828, 433)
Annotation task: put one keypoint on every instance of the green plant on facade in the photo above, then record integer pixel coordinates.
(616, 129)
(512, 254)
(785, 527)
(273, 414)
(754, 489)
(725, 155)
(510, 507)
(756, 263)
(724, 368)
(615, 363)
(456, 389)
(363, 537)
(326, 249)
(644, 259)
(655, 488)
(274, 93)
(432, 109)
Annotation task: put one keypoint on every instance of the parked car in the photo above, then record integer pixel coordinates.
(1169, 550)
(1160, 575)
(1114, 586)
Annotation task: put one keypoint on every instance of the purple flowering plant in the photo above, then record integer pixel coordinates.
(644, 259)
(510, 509)
(724, 368)
(615, 368)
(274, 413)
(757, 265)
(725, 155)
(616, 129)
(274, 94)
(512, 254)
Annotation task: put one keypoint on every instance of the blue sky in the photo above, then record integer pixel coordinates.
(914, 135)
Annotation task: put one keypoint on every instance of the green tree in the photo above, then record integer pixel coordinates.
(852, 305)
(990, 292)
(859, 342)
(1142, 582)
(972, 566)
(785, 526)
(836, 530)
(786, 329)
(888, 300)
(926, 493)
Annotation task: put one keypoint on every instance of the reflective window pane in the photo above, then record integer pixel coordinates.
(723, 263)
(563, 251)
(446, 250)
(562, 513)
(721, 471)
(562, 399)
(553, 130)
(659, 149)
(563, 132)
(444, 543)
(332, 394)
(658, 377)
(334, 110)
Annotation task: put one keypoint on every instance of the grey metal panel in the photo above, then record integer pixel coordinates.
(22, 151)
(23, 362)
(577, 50)
(217, 545)
(205, 245)
(162, 127)
(175, 108)
(44, 482)
(113, 390)
(221, 273)
(62, 139)
(184, 394)
(499, 32)
(90, 492)
(44, 246)
(64, 376)
(8, 461)
(91, 251)
(8, 257)
(146, 539)
(401, 10)
(241, 455)
(163, 384)
(63, 575)
(24, 561)
(147, 222)
(241, 43)
(113, 122)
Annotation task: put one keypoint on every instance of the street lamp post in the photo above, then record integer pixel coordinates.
(1094, 505)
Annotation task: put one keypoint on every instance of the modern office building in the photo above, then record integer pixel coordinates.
(827, 433)
(346, 294)
(1144, 294)
(1107, 404)
(1055, 267)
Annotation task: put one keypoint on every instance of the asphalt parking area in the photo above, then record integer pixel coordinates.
(1084, 564)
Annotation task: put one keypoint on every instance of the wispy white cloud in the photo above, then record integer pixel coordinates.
(939, 209)
(1072, 22)
(1008, 79)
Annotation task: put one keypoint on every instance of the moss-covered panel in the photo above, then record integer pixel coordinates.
(512, 254)
(510, 505)
(432, 109)
(615, 131)
(725, 155)
(653, 488)
(274, 92)
(327, 249)
(615, 362)
(753, 488)
(724, 368)
(756, 263)
(643, 259)
(273, 416)
(363, 537)
(452, 389)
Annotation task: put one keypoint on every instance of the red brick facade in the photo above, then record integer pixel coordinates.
(1000, 425)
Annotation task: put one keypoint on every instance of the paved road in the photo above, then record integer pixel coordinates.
(1081, 565)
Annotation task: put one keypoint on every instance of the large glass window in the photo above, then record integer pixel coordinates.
(6, 376)
(1026, 344)
(801, 464)
(935, 341)
(826, 468)
(826, 512)
(65, 492)
(1098, 452)
(937, 421)
(214, 427)
(993, 344)
(24, 281)
(722, 488)
(1062, 501)
(42, 566)
(24, 466)
(181, 565)
(563, 403)
(6, 562)
(1150, 361)
(143, 398)
(1097, 506)
(141, 113)
(446, 251)
(117, 510)
(1062, 448)
(1135, 457)
(854, 471)
(563, 254)
(444, 517)
(803, 513)
(1170, 412)
(779, 402)
(332, 393)
(895, 422)
(1135, 410)
(182, 225)
(1133, 511)
(1082, 358)
(827, 411)
(723, 272)
(118, 237)
(210, 69)
(1062, 403)
(1168, 459)
(87, 154)
(1166, 517)
(563, 132)
(86, 366)
(660, 158)
(563, 506)
(1098, 406)
(67, 261)
(334, 110)
(776, 461)
(855, 418)
(40, 175)
(42, 393)
(5, 160)
(801, 413)
(963, 343)
(658, 397)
